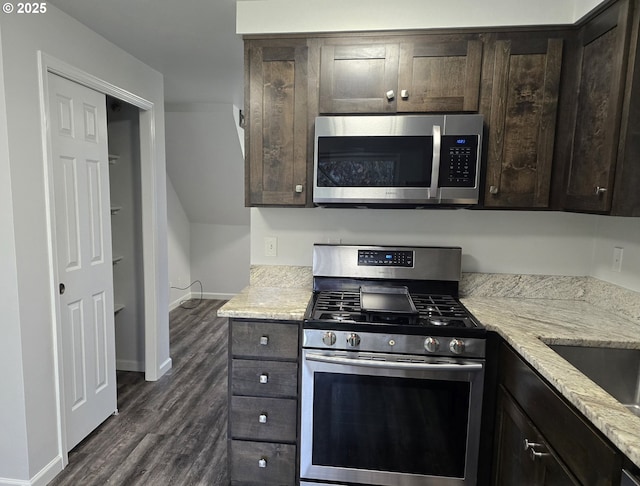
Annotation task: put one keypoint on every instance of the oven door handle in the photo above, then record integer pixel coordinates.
(396, 365)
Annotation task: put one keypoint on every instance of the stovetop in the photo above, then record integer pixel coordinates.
(436, 314)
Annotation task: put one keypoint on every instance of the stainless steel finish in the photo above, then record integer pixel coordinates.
(262, 462)
(429, 263)
(299, 188)
(615, 370)
(404, 94)
(262, 418)
(389, 343)
(493, 189)
(308, 471)
(390, 94)
(431, 344)
(264, 379)
(264, 340)
(353, 340)
(329, 338)
(435, 163)
(628, 479)
(600, 190)
(395, 362)
(397, 125)
(456, 346)
(531, 447)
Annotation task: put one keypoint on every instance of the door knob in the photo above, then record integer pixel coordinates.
(62, 288)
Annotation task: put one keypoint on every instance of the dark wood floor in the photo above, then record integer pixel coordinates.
(168, 432)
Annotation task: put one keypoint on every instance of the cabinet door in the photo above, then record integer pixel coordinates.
(600, 92)
(437, 74)
(522, 455)
(276, 132)
(358, 78)
(524, 103)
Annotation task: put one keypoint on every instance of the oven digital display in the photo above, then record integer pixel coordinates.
(393, 258)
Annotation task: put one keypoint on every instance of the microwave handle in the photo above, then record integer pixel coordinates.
(435, 162)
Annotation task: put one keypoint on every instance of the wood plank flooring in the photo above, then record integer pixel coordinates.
(168, 432)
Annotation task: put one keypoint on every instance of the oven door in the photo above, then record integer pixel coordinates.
(372, 418)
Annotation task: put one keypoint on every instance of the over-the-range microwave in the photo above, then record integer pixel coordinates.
(397, 161)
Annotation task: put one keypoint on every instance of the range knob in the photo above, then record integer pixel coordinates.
(456, 346)
(431, 344)
(329, 338)
(353, 340)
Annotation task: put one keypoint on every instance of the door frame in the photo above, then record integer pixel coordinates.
(153, 370)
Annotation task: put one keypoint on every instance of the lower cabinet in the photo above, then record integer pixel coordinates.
(263, 402)
(540, 439)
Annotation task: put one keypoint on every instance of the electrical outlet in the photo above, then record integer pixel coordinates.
(616, 265)
(270, 246)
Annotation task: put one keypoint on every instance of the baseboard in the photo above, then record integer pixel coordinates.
(176, 303)
(196, 295)
(129, 365)
(44, 476)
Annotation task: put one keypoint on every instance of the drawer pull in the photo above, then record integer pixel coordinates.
(264, 340)
(264, 378)
(530, 446)
(262, 418)
(262, 462)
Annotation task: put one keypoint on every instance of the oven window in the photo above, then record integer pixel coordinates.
(374, 161)
(379, 423)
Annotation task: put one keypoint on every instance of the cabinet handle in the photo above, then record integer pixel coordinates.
(299, 188)
(262, 418)
(493, 189)
(262, 462)
(264, 340)
(390, 94)
(404, 94)
(264, 378)
(600, 190)
(530, 446)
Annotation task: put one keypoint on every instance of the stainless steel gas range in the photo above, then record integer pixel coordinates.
(393, 370)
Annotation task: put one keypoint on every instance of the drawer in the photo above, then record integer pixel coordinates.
(272, 419)
(262, 463)
(278, 379)
(257, 339)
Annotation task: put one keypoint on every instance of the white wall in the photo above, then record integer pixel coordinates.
(179, 237)
(614, 232)
(551, 243)
(219, 259)
(30, 282)
(271, 16)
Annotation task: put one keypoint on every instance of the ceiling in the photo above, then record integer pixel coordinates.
(191, 42)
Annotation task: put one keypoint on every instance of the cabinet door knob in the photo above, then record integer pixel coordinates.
(493, 189)
(264, 340)
(390, 94)
(264, 378)
(404, 94)
(262, 462)
(262, 418)
(600, 190)
(299, 188)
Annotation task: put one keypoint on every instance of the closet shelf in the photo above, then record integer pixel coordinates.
(115, 209)
(117, 259)
(113, 158)
(118, 308)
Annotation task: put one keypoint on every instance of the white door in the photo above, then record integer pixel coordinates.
(77, 125)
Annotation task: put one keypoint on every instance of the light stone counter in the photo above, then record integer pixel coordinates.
(526, 310)
(527, 324)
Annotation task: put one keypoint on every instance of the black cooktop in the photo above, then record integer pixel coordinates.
(434, 313)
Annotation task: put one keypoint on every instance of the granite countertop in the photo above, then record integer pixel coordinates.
(529, 324)
(512, 307)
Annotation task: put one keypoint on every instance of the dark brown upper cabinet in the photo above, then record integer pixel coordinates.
(603, 51)
(523, 110)
(425, 73)
(276, 134)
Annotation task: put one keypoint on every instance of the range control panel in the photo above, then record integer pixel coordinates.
(391, 258)
(458, 159)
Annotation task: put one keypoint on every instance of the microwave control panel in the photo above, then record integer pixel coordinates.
(458, 161)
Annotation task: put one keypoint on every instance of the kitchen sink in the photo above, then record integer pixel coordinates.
(615, 370)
